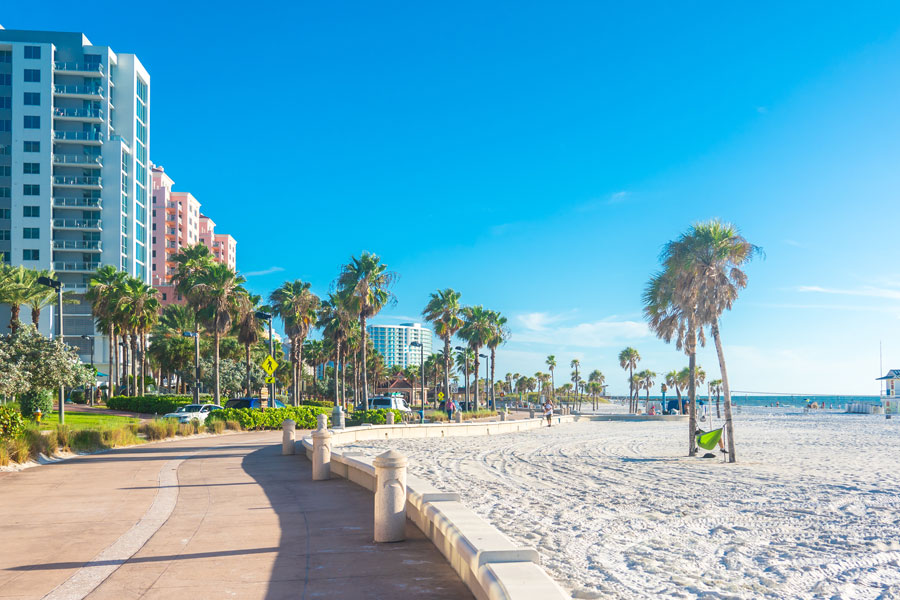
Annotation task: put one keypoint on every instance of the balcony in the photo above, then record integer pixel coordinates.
(91, 115)
(171, 207)
(85, 92)
(78, 160)
(75, 68)
(74, 181)
(94, 138)
(75, 267)
(78, 245)
(80, 203)
(77, 224)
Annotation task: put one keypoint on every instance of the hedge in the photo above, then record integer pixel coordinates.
(151, 404)
(11, 421)
(375, 416)
(270, 418)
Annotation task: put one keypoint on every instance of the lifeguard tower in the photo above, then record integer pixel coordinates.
(890, 394)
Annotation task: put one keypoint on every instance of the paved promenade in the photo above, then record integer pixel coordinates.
(214, 517)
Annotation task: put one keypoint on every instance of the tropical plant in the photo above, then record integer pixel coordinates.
(297, 306)
(250, 328)
(477, 330)
(499, 335)
(443, 312)
(596, 379)
(336, 323)
(646, 380)
(672, 381)
(715, 387)
(551, 364)
(17, 286)
(628, 360)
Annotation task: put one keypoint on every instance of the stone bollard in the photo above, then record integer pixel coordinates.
(530, 413)
(321, 459)
(390, 497)
(287, 437)
(337, 417)
(390, 417)
(457, 416)
(503, 416)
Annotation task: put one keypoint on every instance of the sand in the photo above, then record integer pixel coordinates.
(812, 509)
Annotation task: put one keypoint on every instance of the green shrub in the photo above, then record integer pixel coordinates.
(11, 421)
(63, 434)
(322, 403)
(118, 436)
(375, 416)
(185, 429)
(86, 440)
(271, 418)
(230, 424)
(216, 426)
(19, 449)
(156, 430)
(152, 404)
(78, 397)
(31, 402)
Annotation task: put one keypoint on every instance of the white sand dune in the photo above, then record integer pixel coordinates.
(812, 510)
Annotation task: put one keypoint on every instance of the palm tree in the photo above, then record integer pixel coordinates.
(366, 283)
(173, 352)
(250, 329)
(628, 360)
(42, 296)
(551, 364)
(477, 330)
(715, 387)
(499, 335)
(464, 359)
(103, 289)
(672, 382)
(218, 289)
(17, 286)
(707, 261)
(575, 363)
(443, 312)
(296, 305)
(646, 377)
(597, 378)
(336, 322)
(190, 262)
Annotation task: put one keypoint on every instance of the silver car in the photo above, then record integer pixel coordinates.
(189, 412)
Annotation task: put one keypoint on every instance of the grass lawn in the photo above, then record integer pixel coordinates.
(77, 420)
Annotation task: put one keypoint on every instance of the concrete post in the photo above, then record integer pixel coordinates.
(457, 416)
(390, 497)
(337, 417)
(287, 436)
(503, 415)
(321, 460)
(530, 413)
(390, 417)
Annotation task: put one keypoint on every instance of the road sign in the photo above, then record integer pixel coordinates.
(440, 395)
(270, 379)
(269, 365)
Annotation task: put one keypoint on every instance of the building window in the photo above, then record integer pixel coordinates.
(5, 170)
(5, 56)
(33, 75)
(5, 125)
(5, 79)
(31, 189)
(31, 233)
(5, 101)
(29, 254)
(4, 235)
(32, 146)
(4, 193)
(32, 51)
(4, 213)
(31, 168)
(31, 211)
(32, 122)
(32, 98)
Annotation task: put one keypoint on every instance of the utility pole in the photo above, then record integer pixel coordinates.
(57, 285)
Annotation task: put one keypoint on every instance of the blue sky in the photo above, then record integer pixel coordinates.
(536, 156)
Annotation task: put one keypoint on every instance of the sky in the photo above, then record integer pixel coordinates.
(536, 156)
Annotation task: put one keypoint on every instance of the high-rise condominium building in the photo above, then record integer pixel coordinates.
(393, 342)
(74, 168)
(176, 223)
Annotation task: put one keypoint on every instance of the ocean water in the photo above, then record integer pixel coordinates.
(784, 400)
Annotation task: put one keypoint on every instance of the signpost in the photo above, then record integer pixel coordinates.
(269, 365)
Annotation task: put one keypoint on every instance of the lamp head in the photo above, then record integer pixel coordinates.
(52, 283)
(264, 316)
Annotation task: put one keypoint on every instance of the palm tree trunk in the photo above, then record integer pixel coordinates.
(552, 386)
(365, 377)
(143, 349)
(300, 367)
(630, 389)
(692, 404)
(216, 394)
(134, 368)
(447, 369)
(477, 364)
(247, 348)
(113, 361)
(729, 424)
(344, 383)
(337, 369)
(14, 318)
(35, 316)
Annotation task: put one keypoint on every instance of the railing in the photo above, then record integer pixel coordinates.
(77, 245)
(78, 113)
(70, 180)
(77, 202)
(79, 67)
(75, 266)
(90, 136)
(78, 90)
(77, 223)
(77, 159)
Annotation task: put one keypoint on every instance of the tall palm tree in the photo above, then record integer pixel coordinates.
(104, 288)
(672, 382)
(190, 262)
(335, 321)
(646, 378)
(477, 331)
(218, 289)
(464, 364)
(250, 328)
(598, 379)
(499, 335)
(628, 360)
(296, 305)
(707, 261)
(551, 364)
(17, 286)
(715, 387)
(576, 379)
(42, 296)
(443, 312)
(366, 283)
(142, 310)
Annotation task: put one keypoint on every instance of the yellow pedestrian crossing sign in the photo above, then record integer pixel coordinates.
(270, 379)
(440, 395)
(269, 365)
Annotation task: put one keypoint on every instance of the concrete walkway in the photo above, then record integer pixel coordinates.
(216, 517)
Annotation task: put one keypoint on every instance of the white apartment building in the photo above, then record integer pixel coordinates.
(393, 342)
(74, 166)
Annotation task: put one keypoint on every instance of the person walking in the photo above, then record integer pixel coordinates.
(450, 406)
(548, 412)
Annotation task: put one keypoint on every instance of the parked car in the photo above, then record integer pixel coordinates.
(395, 402)
(189, 412)
(251, 403)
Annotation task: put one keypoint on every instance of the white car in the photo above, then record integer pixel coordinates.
(189, 412)
(395, 402)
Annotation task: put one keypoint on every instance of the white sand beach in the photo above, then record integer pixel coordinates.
(812, 510)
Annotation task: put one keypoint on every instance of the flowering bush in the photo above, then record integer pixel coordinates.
(11, 421)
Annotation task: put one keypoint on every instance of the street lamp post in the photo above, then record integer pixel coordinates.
(263, 316)
(421, 347)
(57, 285)
(487, 393)
(91, 339)
(466, 363)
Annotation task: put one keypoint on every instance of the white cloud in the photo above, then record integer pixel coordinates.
(865, 291)
(268, 271)
(544, 328)
(794, 243)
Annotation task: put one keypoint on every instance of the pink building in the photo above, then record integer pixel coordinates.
(177, 222)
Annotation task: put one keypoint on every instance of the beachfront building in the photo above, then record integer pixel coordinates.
(177, 222)
(74, 169)
(890, 394)
(393, 342)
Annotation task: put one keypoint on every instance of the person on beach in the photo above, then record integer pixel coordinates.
(450, 406)
(548, 412)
